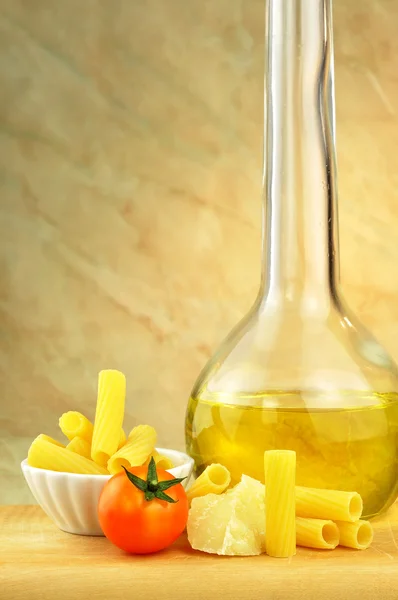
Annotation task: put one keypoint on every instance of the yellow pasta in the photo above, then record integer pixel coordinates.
(80, 446)
(280, 517)
(214, 480)
(358, 535)
(46, 455)
(122, 439)
(161, 461)
(140, 444)
(108, 415)
(328, 504)
(73, 423)
(43, 436)
(316, 533)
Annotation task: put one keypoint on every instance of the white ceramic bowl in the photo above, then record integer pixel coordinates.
(71, 499)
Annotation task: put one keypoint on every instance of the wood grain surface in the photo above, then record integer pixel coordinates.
(39, 562)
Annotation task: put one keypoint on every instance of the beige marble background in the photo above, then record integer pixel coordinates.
(130, 173)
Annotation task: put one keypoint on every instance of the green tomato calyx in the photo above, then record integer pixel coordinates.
(151, 487)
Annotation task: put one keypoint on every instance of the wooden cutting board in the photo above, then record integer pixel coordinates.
(40, 562)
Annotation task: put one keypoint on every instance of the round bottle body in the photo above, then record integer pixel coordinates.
(353, 449)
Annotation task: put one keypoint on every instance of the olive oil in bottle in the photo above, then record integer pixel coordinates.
(346, 449)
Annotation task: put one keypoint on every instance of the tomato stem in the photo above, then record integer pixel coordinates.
(151, 486)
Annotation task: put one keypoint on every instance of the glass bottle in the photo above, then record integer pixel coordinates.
(300, 371)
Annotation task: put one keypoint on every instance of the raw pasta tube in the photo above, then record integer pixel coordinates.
(358, 535)
(140, 444)
(328, 504)
(316, 533)
(43, 436)
(80, 446)
(122, 439)
(280, 517)
(108, 415)
(73, 423)
(214, 480)
(46, 455)
(161, 461)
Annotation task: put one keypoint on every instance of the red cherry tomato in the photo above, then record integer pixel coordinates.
(143, 517)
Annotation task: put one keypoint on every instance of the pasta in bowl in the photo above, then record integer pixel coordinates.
(71, 499)
(67, 478)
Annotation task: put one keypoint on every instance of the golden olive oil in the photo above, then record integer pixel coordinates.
(354, 449)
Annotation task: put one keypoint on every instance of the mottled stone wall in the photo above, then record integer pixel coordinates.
(130, 180)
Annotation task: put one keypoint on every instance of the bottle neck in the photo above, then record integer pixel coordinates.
(300, 229)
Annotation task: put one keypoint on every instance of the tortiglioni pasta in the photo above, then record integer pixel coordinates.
(73, 423)
(280, 516)
(46, 455)
(358, 535)
(43, 436)
(214, 480)
(140, 444)
(328, 504)
(108, 415)
(161, 461)
(80, 446)
(122, 439)
(316, 533)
